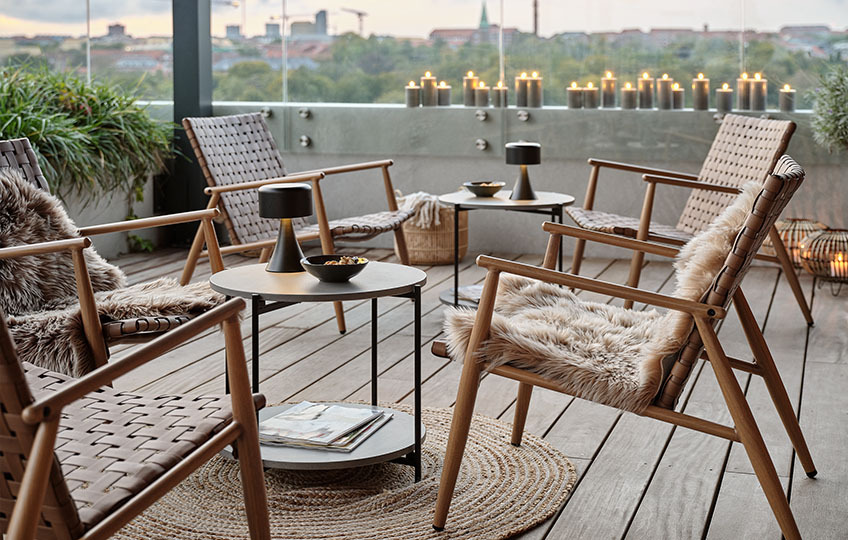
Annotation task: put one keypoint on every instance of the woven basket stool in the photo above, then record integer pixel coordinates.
(435, 245)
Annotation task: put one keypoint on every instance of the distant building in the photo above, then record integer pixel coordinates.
(117, 30)
(484, 33)
(272, 31)
(311, 30)
(234, 32)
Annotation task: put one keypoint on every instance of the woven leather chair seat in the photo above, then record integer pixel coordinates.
(115, 330)
(111, 444)
(595, 220)
(365, 227)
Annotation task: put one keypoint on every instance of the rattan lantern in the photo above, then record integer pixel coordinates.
(825, 255)
(793, 231)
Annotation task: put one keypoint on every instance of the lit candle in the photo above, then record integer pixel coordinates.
(413, 94)
(608, 91)
(444, 94)
(521, 90)
(646, 92)
(743, 92)
(481, 95)
(724, 98)
(700, 93)
(664, 91)
(500, 95)
(469, 83)
(534, 91)
(759, 92)
(574, 95)
(839, 266)
(590, 96)
(677, 96)
(428, 90)
(787, 98)
(628, 96)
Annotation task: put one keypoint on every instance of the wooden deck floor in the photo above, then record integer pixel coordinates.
(638, 478)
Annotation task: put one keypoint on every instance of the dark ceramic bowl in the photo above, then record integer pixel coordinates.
(480, 190)
(331, 273)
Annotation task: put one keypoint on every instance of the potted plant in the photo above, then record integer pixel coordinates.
(830, 110)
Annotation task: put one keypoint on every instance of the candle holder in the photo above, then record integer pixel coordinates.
(793, 232)
(413, 94)
(574, 96)
(759, 93)
(523, 154)
(743, 92)
(443, 94)
(534, 91)
(787, 99)
(724, 98)
(646, 92)
(521, 90)
(590, 96)
(628, 96)
(469, 83)
(664, 92)
(825, 255)
(284, 202)
(678, 96)
(700, 93)
(608, 91)
(500, 95)
(428, 90)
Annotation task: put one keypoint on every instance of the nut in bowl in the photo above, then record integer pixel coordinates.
(333, 268)
(483, 188)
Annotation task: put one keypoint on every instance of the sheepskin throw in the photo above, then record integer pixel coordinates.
(39, 295)
(599, 352)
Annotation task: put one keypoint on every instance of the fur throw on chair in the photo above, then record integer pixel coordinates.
(599, 352)
(39, 294)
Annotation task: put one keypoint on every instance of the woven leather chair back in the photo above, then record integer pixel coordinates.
(778, 188)
(745, 149)
(18, 154)
(233, 150)
(59, 517)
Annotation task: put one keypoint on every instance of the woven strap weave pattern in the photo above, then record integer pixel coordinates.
(114, 330)
(111, 445)
(363, 227)
(745, 149)
(595, 220)
(18, 154)
(777, 190)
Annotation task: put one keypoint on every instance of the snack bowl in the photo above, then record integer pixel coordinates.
(317, 266)
(483, 188)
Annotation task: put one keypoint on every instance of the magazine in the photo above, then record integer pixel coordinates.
(346, 443)
(315, 423)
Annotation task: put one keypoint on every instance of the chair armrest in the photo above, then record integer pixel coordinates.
(603, 287)
(299, 177)
(54, 246)
(366, 165)
(151, 222)
(640, 169)
(50, 407)
(611, 239)
(691, 184)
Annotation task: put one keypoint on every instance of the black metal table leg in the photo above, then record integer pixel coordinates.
(560, 239)
(373, 351)
(254, 340)
(456, 254)
(226, 365)
(417, 458)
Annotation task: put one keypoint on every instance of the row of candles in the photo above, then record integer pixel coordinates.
(751, 93)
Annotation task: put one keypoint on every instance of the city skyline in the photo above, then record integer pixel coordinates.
(404, 19)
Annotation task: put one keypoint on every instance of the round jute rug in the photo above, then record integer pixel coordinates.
(502, 490)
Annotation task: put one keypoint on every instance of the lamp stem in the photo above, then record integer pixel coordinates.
(287, 253)
(522, 190)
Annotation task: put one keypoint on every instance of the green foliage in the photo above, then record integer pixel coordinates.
(90, 139)
(830, 111)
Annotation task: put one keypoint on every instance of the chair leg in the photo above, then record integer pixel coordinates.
(461, 423)
(577, 257)
(193, 255)
(635, 273)
(791, 276)
(265, 255)
(749, 433)
(774, 383)
(522, 403)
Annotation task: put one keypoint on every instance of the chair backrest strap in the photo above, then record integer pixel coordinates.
(18, 154)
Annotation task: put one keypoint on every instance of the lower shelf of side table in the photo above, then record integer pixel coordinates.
(395, 439)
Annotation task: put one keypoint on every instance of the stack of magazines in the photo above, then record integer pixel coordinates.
(326, 426)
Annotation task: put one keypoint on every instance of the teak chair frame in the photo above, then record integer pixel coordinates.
(652, 177)
(41, 419)
(324, 233)
(744, 430)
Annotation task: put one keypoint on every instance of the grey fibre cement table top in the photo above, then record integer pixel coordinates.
(376, 280)
(544, 199)
(394, 439)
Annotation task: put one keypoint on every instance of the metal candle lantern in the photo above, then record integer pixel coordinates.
(523, 154)
(793, 232)
(825, 255)
(284, 202)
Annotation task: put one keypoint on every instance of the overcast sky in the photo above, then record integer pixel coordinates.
(416, 18)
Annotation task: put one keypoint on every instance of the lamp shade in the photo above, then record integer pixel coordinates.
(523, 153)
(280, 201)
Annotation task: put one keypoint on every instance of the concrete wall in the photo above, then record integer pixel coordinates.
(434, 150)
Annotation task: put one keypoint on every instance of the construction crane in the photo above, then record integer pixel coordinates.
(361, 16)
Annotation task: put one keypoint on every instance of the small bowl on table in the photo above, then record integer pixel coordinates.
(317, 266)
(483, 188)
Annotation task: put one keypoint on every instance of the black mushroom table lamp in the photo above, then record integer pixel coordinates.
(523, 154)
(284, 202)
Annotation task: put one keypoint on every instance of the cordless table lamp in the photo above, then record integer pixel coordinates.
(284, 202)
(523, 154)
